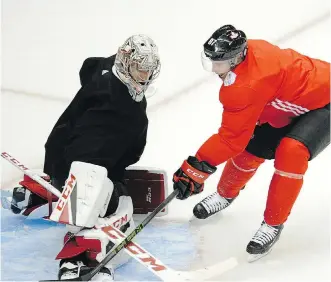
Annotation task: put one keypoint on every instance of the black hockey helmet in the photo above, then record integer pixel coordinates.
(225, 43)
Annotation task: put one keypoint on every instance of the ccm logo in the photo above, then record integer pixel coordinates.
(121, 221)
(190, 171)
(13, 160)
(145, 257)
(66, 192)
(113, 233)
(135, 250)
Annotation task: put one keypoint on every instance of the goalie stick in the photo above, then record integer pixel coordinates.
(132, 248)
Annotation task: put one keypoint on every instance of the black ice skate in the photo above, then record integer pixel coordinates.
(263, 240)
(20, 199)
(211, 205)
(71, 269)
(24, 202)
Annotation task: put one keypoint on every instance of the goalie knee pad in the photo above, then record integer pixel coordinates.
(121, 215)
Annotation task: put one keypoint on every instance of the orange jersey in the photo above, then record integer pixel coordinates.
(271, 85)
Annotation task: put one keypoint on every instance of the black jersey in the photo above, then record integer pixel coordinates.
(102, 125)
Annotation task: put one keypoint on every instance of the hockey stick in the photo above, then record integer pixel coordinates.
(31, 174)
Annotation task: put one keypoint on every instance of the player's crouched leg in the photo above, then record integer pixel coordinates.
(291, 163)
(100, 207)
(236, 173)
(90, 246)
(309, 136)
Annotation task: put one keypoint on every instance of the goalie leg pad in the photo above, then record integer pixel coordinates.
(85, 196)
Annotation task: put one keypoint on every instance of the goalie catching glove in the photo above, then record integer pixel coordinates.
(190, 177)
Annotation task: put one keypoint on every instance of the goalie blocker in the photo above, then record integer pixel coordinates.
(146, 186)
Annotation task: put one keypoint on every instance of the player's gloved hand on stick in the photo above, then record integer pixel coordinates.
(190, 177)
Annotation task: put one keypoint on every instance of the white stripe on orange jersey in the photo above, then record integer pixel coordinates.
(289, 107)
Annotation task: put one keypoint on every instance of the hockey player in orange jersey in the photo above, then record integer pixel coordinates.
(276, 105)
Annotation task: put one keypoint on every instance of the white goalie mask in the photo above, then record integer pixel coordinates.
(138, 64)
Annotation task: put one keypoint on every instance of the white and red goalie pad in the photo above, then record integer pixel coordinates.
(147, 188)
(85, 195)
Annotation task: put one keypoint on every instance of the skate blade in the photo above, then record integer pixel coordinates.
(255, 257)
(6, 203)
(6, 197)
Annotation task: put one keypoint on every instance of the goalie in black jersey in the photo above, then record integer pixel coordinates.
(100, 134)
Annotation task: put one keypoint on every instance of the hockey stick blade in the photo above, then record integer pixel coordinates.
(125, 242)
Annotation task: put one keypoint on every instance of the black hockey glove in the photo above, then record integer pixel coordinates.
(190, 178)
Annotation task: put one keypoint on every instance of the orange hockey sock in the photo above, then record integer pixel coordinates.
(237, 172)
(291, 163)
